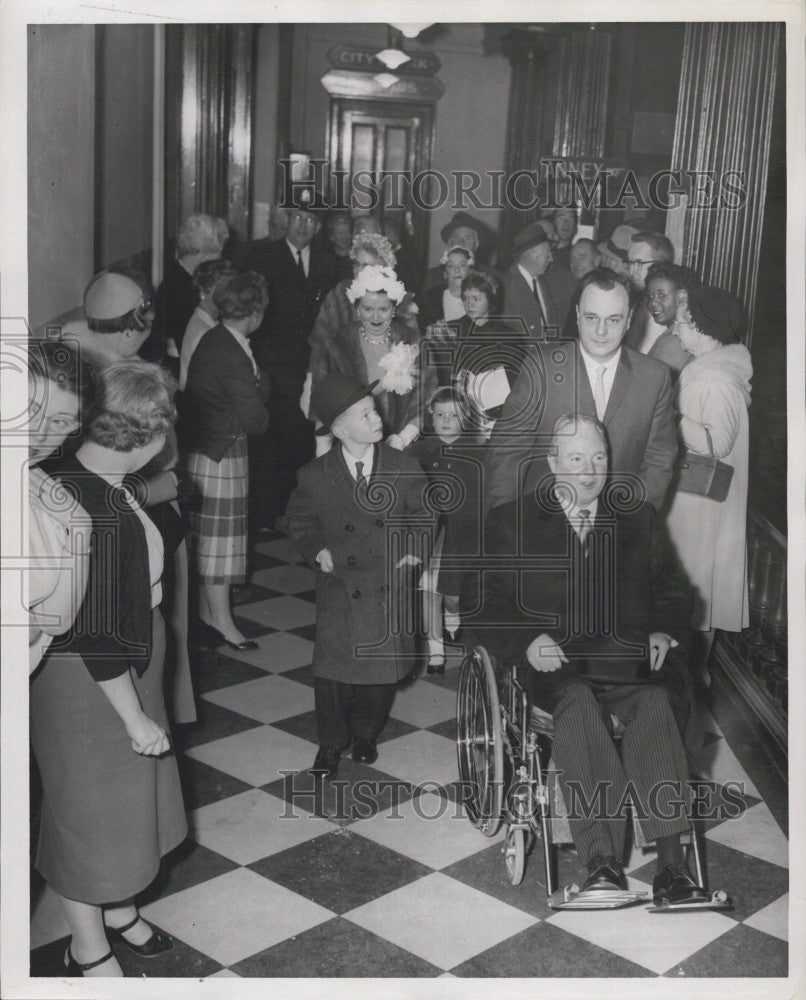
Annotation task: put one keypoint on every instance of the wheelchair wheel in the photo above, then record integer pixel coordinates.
(479, 742)
(515, 854)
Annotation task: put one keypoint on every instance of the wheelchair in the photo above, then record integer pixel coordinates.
(495, 719)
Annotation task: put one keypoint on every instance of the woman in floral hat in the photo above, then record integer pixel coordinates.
(377, 345)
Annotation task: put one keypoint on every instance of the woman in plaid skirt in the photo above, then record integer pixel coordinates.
(225, 399)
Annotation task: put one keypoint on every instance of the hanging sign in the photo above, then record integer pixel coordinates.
(352, 58)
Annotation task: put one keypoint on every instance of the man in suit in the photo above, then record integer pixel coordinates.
(298, 276)
(462, 231)
(528, 299)
(587, 596)
(596, 375)
(341, 516)
(645, 249)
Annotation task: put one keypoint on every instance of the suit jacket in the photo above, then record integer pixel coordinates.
(542, 583)
(280, 344)
(521, 305)
(364, 601)
(553, 381)
(223, 397)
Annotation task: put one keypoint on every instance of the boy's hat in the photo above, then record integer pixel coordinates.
(335, 394)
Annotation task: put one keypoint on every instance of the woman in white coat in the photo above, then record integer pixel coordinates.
(713, 394)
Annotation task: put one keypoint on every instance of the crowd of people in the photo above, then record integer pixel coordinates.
(391, 421)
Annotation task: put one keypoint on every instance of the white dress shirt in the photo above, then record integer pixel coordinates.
(304, 254)
(592, 365)
(368, 459)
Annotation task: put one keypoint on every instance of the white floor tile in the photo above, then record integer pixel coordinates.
(756, 833)
(441, 920)
(267, 699)
(280, 548)
(224, 974)
(286, 579)
(279, 612)
(253, 825)
(235, 915)
(655, 941)
(429, 828)
(419, 757)
(278, 652)
(423, 704)
(773, 919)
(48, 922)
(256, 756)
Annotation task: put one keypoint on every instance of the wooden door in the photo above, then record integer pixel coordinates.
(384, 136)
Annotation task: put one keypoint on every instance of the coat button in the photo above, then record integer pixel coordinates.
(351, 560)
(378, 523)
(356, 594)
(348, 527)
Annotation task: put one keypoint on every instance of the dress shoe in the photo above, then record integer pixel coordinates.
(604, 873)
(75, 968)
(326, 764)
(157, 944)
(676, 886)
(215, 639)
(436, 664)
(364, 750)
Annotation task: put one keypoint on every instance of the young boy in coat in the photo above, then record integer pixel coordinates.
(358, 517)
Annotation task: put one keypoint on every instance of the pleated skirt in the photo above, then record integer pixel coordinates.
(108, 814)
(219, 518)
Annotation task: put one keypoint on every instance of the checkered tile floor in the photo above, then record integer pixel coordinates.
(380, 874)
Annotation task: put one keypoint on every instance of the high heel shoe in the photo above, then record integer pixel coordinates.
(157, 944)
(214, 639)
(75, 968)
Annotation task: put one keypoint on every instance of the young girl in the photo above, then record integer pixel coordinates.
(451, 458)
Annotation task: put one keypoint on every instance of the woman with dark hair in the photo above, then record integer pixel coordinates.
(225, 400)
(60, 390)
(112, 803)
(206, 278)
(488, 353)
(667, 287)
(712, 397)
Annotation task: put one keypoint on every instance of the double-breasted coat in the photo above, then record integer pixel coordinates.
(364, 633)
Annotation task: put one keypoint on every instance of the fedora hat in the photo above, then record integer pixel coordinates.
(615, 248)
(335, 394)
(528, 238)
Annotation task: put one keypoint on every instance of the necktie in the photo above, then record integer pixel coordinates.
(536, 292)
(360, 479)
(584, 525)
(599, 392)
(300, 265)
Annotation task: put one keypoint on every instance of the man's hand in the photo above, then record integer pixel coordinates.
(395, 441)
(325, 560)
(659, 645)
(545, 655)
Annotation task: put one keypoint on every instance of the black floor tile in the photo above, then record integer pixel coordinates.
(304, 632)
(304, 675)
(741, 952)
(340, 870)
(214, 723)
(202, 784)
(543, 952)
(213, 671)
(188, 865)
(336, 949)
(251, 593)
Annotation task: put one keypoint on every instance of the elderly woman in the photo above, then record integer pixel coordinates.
(112, 803)
(713, 394)
(207, 276)
(367, 248)
(60, 387)
(444, 302)
(225, 400)
(202, 237)
(378, 348)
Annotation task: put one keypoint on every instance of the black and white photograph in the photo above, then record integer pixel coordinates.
(435, 626)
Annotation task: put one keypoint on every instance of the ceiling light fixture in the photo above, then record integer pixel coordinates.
(410, 30)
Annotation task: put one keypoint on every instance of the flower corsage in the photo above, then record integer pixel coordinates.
(400, 367)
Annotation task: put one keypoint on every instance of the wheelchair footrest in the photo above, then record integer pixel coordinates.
(572, 898)
(716, 901)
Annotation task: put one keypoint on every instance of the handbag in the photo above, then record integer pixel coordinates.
(704, 475)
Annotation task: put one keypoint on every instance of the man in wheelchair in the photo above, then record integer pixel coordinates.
(582, 589)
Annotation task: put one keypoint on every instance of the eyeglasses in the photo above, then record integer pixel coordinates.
(640, 263)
